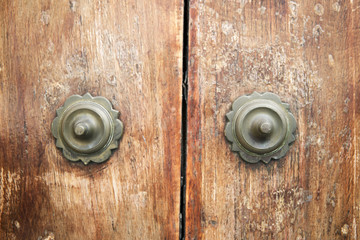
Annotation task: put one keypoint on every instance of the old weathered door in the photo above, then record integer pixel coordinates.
(127, 51)
(172, 69)
(307, 52)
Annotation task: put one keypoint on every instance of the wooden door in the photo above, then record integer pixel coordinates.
(131, 52)
(307, 52)
(127, 51)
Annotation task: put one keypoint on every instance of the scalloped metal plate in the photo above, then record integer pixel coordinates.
(105, 152)
(244, 153)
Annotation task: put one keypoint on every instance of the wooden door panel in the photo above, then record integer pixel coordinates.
(127, 51)
(307, 52)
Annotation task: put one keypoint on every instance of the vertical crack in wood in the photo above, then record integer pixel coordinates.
(184, 121)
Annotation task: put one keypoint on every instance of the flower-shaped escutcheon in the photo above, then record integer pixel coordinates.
(87, 128)
(260, 127)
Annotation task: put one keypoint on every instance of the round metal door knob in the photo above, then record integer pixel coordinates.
(87, 128)
(260, 127)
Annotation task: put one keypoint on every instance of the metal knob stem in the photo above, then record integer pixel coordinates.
(263, 128)
(81, 129)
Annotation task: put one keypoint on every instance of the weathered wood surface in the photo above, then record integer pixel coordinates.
(128, 51)
(355, 60)
(308, 53)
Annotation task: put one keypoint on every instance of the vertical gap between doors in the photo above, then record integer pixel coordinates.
(184, 120)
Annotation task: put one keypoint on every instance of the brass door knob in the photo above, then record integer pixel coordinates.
(87, 128)
(260, 127)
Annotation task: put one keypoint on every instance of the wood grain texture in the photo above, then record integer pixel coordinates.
(307, 52)
(127, 51)
(355, 60)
